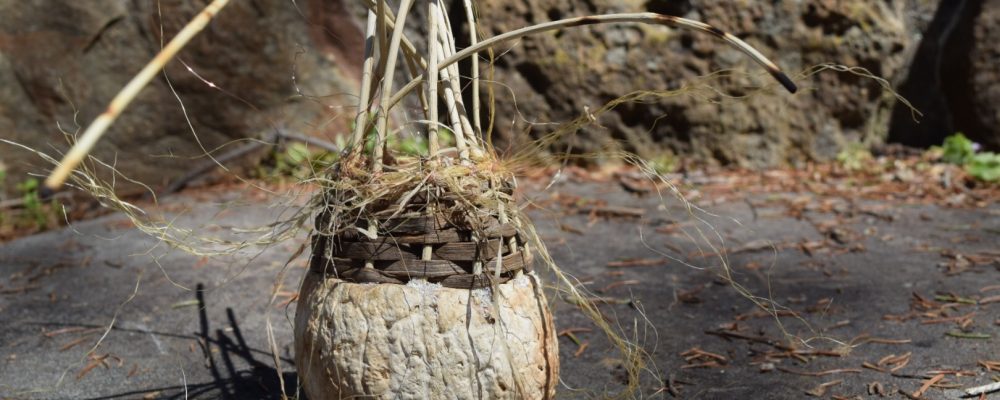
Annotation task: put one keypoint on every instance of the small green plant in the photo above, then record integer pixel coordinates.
(295, 156)
(985, 166)
(854, 156)
(412, 145)
(298, 160)
(958, 149)
(416, 145)
(33, 205)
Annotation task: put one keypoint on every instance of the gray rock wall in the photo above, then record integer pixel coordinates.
(61, 62)
(60, 65)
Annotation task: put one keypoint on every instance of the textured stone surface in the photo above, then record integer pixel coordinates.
(557, 76)
(60, 66)
(57, 65)
(985, 75)
(423, 341)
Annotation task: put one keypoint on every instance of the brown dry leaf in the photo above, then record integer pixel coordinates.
(820, 391)
(927, 385)
(709, 364)
(637, 262)
(690, 296)
(991, 366)
(895, 362)
(871, 366)
(821, 373)
(95, 361)
(698, 358)
(75, 343)
(615, 284)
(74, 329)
(989, 288)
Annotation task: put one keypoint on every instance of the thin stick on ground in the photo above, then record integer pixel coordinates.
(988, 388)
(128, 93)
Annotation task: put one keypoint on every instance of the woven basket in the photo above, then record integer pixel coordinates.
(377, 318)
(459, 244)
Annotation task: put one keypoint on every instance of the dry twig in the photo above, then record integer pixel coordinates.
(100, 125)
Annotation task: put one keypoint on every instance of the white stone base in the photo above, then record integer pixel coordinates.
(424, 341)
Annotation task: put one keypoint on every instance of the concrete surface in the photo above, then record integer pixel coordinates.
(60, 290)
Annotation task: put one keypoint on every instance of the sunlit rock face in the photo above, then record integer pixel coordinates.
(559, 76)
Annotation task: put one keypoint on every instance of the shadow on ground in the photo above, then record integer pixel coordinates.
(260, 381)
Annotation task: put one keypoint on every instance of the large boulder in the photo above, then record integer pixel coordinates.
(559, 75)
(59, 67)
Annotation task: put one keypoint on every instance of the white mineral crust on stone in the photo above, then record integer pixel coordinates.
(424, 341)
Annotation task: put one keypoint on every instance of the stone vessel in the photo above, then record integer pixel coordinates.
(419, 311)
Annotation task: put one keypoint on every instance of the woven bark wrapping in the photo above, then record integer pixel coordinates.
(457, 244)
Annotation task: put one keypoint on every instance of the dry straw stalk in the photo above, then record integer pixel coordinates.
(128, 93)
